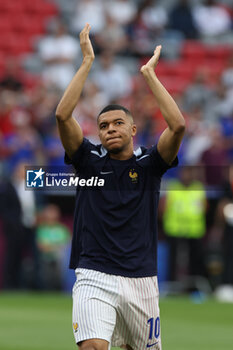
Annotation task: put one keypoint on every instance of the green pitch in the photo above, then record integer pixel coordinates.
(43, 322)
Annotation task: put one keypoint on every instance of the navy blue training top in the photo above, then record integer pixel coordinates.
(115, 225)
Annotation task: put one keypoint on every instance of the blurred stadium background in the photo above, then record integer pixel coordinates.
(39, 53)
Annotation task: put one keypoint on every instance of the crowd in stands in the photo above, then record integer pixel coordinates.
(196, 66)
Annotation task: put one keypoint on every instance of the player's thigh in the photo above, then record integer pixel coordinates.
(140, 315)
(93, 344)
(94, 314)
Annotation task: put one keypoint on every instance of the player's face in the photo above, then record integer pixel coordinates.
(116, 131)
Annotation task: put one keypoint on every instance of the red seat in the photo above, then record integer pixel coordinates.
(5, 24)
(219, 52)
(193, 49)
(12, 44)
(30, 81)
(180, 68)
(175, 86)
(40, 6)
(29, 24)
(7, 7)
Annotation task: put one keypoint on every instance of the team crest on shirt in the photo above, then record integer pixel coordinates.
(75, 327)
(133, 175)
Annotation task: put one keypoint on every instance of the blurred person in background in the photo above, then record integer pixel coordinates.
(42, 102)
(211, 19)
(12, 78)
(215, 159)
(227, 75)
(54, 150)
(220, 261)
(121, 11)
(58, 52)
(220, 104)
(112, 78)
(89, 11)
(198, 137)
(9, 102)
(184, 211)
(19, 138)
(25, 142)
(198, 92)
(52, 238)
(27, 200)
(12, 226)
(146, 26)
(154, 17)
(92, 99)
(181, 19)
(112, 37)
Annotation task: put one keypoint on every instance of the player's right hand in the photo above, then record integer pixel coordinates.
(85, 43)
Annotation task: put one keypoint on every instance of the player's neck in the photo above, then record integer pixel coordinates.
(123, 155)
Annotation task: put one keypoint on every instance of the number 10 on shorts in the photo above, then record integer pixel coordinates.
(154, 328)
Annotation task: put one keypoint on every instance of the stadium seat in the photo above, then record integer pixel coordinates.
(5, 24)
(194, 50)
(29, 24)
(12, 44)
(8, 7)
(175, 86)
(40, 7)
(219, 52)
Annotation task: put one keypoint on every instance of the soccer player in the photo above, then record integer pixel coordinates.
(115, 297)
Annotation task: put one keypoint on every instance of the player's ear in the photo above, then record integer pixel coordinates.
(134, 130)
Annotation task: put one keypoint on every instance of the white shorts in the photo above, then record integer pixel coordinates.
(118, 309)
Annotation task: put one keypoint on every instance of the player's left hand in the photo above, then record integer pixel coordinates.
(152, 63)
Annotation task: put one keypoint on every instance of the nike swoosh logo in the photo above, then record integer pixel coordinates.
(150, 345)
(106, 172)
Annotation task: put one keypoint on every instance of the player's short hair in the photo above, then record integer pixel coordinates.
(115, 107)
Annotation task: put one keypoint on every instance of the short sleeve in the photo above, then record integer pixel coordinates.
(80, 157)
(159, 166)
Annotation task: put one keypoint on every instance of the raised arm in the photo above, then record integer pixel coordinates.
(70, 131)
(170, 140)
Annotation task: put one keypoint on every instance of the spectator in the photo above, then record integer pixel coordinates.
(197, 138)
(121, 11)
(111, 78)
(92, 100)
(52, 239)
(154, 17)
(27, 200)
(54, 150)
(211, 19)
(58, 52)
(227, 75)
(150, 24)
(42, 103)
(25, 143)
(184, 224)
(221, 236)
(219, 105)
(139, 36)
(10, 215)
(8, 103)
(12, 79)
(89, 11)
(215, 159)
(181, 18)
(112, 37)
(198, 92)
